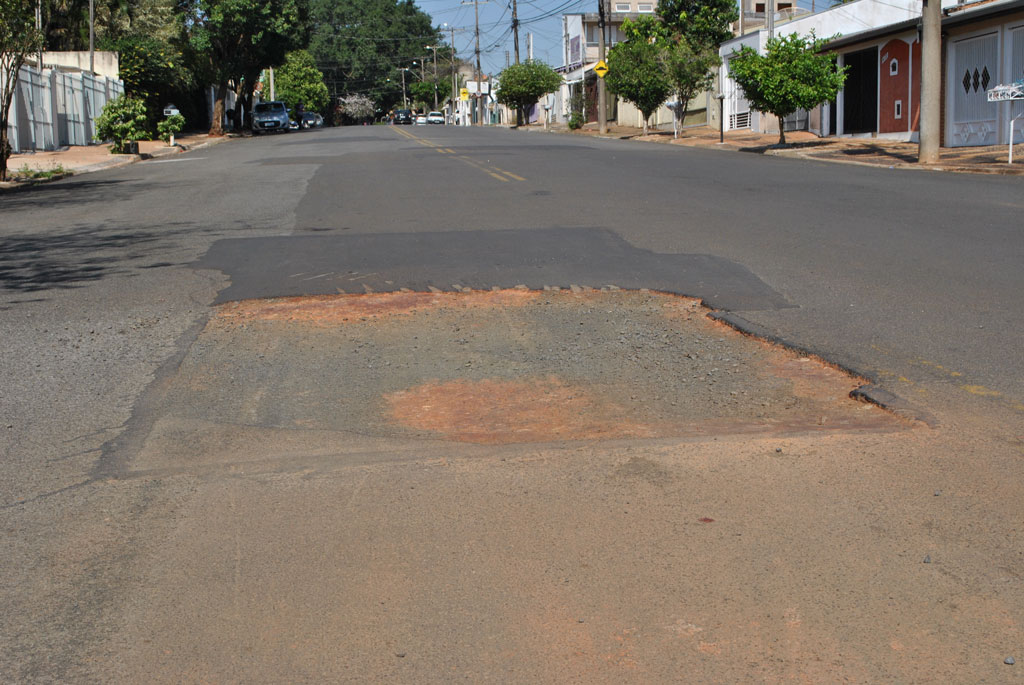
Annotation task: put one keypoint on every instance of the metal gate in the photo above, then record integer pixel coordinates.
(739, 106)
(1017, 73)
(975, 69)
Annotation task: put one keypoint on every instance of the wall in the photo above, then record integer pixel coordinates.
(57, 108)
(104, 63)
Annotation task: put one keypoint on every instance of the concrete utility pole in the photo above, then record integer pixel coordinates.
(434, 48)
(602, 114)
(92, 34)
(931, 81)
(455, 82)
(476, 18)
(403, 70)
(515, 29)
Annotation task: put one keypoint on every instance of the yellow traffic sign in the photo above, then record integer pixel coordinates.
(464, 94)
(601, 68)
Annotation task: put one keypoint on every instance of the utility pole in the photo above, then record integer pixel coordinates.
(476, 18)
(434, 48)
(515, 29)
(455, 82)
(931, 81)
(92, 34)
(602, 113)
(529, 46)
(403, 70)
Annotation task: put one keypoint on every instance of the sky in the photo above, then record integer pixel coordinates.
(542, 18)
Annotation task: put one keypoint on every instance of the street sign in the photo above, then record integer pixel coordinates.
(464, 94)
(601, 68)
(1008, 93)
(1012, 91)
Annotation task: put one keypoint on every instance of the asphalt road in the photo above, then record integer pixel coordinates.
(113, 572)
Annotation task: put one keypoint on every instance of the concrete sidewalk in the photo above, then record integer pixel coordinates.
(81, 159)
(864, 151)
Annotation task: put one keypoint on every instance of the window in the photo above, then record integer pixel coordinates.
(622, 7)
(645, 7)
(894, 68)
(899, 108)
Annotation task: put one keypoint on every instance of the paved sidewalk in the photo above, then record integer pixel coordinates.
(81, 159)
(865, 151)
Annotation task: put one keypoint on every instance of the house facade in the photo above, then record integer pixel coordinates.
(880, 44)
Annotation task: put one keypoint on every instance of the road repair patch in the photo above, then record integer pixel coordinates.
(383, 373)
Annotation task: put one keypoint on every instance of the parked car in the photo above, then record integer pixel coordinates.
(270, 116)
(403, 116)
(421, 119)
(435, 118)
(311, 120)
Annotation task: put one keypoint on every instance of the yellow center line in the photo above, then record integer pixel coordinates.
(494, 172)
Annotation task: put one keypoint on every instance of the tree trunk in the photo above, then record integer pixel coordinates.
(3, 149)
(236, 114)
(645, 124)
(782, 132)
(217, 120)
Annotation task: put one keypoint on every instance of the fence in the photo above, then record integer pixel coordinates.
(54, 108)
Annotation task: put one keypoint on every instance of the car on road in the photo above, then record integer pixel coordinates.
(435, 118)
(311, 120)
(270, 116)
(403, 116)
(421, 119)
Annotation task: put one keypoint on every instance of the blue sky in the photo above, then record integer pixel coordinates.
(542, 18)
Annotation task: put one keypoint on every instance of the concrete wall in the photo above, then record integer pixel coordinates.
(104, 63)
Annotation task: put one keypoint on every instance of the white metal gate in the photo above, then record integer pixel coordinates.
(975, 69)
(738, 106)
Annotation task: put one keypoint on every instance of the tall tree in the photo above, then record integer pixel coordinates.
(362, 43)
(18, 39)
(300, 83)
(704, 23)
(235, 39)
(792, 74)
(636, 73)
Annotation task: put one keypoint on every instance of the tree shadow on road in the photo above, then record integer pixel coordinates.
(70, 191)
(46, 261)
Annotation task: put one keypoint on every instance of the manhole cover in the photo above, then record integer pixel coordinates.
(335, 374)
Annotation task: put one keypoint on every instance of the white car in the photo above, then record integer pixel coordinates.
(421, 120)
(435, 118)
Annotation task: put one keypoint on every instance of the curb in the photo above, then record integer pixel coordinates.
(179, 148)
(870, 392)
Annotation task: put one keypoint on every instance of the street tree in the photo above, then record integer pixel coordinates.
(636, 73)
(689, 70)
(355, 108)
(521, 85)
(703, 23)
(299, 83)
(792, 74)
(18, 39)
(236, 39)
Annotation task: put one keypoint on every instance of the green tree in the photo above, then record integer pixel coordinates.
(792, 74)
(703, 23)
(689, 71)
(236, 39)
(521, 85)
(299, 82)
(636, 73)
(360, 43)
(18, 39)
(152, 70)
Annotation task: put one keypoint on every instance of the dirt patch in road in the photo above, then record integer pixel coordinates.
(298, 375)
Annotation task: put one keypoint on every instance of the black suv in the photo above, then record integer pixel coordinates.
(403, 116)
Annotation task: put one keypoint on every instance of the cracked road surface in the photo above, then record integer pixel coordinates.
(219, 467)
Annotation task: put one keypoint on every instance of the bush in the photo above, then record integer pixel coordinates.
(123, 121)
(576, 121)
(171, 126)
